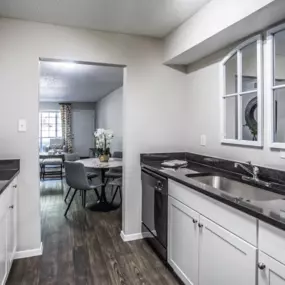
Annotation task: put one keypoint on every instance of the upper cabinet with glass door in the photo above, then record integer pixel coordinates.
(242, 94)
(276, 91)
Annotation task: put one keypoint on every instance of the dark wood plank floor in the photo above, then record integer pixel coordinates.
(86, 248)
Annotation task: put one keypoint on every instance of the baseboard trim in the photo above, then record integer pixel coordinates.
(29, 253)
(130, 237)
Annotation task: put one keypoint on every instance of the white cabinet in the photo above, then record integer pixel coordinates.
(270, 271)
(11, 224)
(210, 243)
(223, 257)
(201, 252)
(8, 229)
(183, 234)
(3, 252)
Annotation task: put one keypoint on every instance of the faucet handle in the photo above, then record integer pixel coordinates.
(255, 170)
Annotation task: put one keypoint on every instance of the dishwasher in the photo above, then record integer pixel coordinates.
(154, 211)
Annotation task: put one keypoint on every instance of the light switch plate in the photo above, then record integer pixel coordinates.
(203, 140)
(22, 125)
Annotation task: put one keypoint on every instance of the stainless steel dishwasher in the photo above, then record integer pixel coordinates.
(154, 211)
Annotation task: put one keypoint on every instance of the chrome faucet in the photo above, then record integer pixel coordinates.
(254, 171)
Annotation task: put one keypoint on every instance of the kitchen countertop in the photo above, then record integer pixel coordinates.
(9, 169)
(272, 212)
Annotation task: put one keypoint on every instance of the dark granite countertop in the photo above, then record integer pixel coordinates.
(9, 169)
(272, 212)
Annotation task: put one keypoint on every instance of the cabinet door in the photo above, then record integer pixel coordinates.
(183, 241)
(270, 271)
(15, 217)
(10, 230)
(9, 238)
(3, 247)
(224, 258)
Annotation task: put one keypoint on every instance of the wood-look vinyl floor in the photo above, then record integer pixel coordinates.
(86, 248)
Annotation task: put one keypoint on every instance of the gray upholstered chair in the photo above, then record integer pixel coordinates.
(117, 172)
(56, 144)
(74, 157)
(118, 184)
(76, 178)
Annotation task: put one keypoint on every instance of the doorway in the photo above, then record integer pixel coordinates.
(89, 90)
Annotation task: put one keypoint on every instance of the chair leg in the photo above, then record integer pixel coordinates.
(70, 202)
(44, 172)
(83, 193)
(97, 193)
(67, 194)
(114, 196)
(120, 192)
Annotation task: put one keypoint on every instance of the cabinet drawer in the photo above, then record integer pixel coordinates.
(272, 241)
(235, 221)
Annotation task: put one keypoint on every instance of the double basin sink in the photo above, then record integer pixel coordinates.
(237, 190)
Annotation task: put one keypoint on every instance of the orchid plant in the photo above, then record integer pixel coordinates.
(103, 140)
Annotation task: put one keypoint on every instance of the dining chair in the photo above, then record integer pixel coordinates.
(117, 172)
(73, 157)
(118, 184)
(76, 178)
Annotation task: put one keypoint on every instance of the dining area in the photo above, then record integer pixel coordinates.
(97, 174)
(92, 174)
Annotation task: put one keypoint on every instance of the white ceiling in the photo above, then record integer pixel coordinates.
(142, 17)
(73, 82)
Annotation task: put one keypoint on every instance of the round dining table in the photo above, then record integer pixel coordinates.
(102, 204)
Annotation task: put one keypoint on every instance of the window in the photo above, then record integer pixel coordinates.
(241, 102)
(50, 127)
(276, 86)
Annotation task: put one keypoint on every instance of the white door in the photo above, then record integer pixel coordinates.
(3, 247)
(183, 237)
(83, 131)
(224, 258)
(270, 271)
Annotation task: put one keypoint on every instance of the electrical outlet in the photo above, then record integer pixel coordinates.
(203, 140)
(282, 154)
(22, 125)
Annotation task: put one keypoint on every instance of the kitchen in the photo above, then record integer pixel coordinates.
(192, 97)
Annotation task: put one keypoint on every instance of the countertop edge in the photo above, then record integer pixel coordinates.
(239, 207)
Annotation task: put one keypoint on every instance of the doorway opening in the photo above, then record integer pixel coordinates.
(79, 104)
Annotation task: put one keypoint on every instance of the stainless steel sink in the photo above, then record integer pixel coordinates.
(238, 189)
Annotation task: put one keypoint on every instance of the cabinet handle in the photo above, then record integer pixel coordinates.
(261, 265)
(11, 207)
(194, 221)
(200, 225)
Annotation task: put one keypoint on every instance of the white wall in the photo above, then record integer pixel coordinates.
(109, 115)
(208, 22)
(49, 106)
(153, 106)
